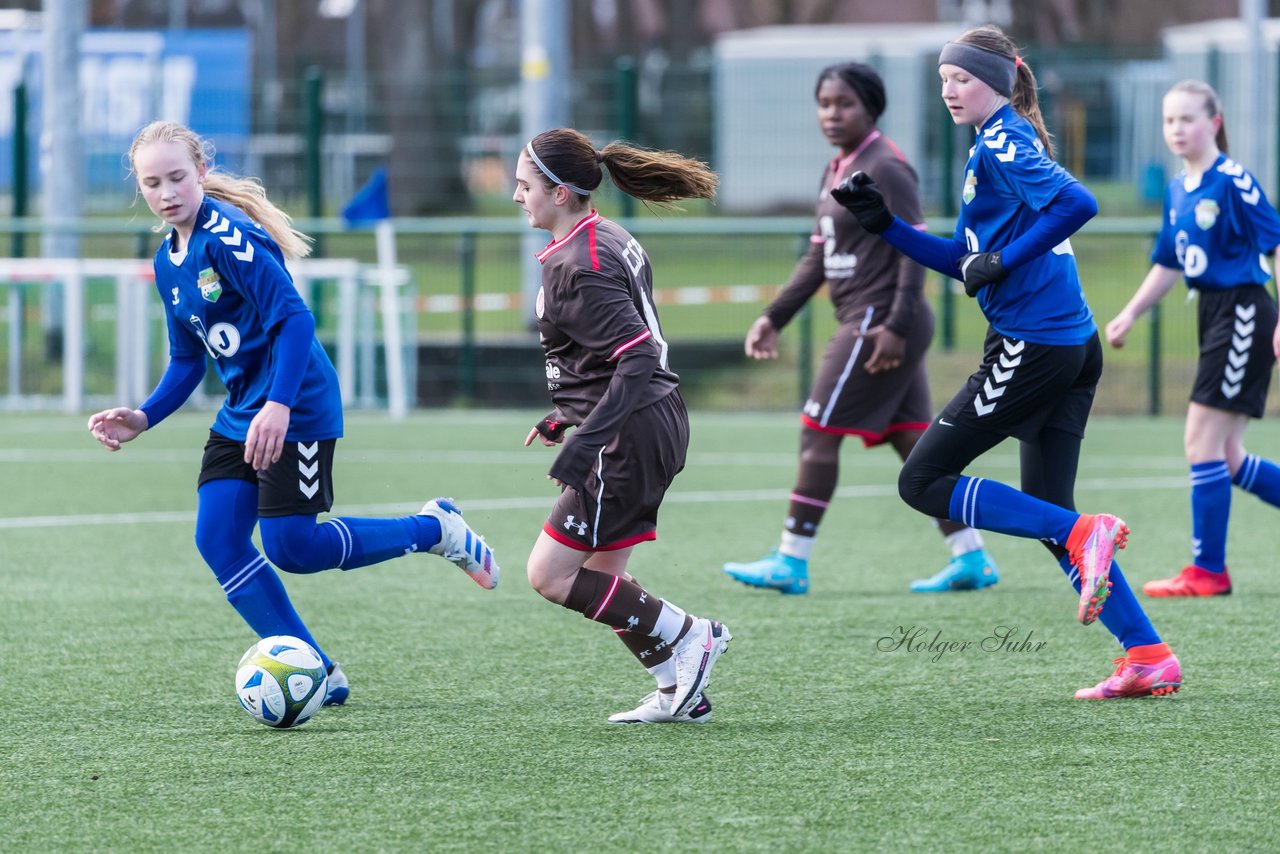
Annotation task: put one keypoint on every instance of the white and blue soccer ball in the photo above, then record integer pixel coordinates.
(281, 681)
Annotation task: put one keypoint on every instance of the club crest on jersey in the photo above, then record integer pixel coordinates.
(540, 304)
(1206, 213)
(970, 187)
(210, 284)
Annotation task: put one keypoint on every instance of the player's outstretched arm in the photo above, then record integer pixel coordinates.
(113, 427)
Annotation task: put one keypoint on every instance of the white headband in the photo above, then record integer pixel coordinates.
(545, 171)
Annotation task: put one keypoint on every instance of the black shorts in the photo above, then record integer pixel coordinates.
(1023, 388)
(619, 504)
(1236, 327)
(299, 483)
(847, 400)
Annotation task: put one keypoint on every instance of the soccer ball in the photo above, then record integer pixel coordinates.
(281, 681)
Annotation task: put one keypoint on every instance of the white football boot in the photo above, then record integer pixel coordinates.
(695, 655)
(460, 545)
(655, 709)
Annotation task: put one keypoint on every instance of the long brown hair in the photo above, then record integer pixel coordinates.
(1212, 105)
(652, 176)
(1024, 99)
(247, 194)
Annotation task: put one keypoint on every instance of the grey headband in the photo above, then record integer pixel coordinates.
(545, 171)
(994, 69)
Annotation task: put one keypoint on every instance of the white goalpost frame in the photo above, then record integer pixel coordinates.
(134, 282)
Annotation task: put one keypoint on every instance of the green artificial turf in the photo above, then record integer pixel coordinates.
(477, 719)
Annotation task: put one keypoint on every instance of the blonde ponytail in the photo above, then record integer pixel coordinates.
(247, 194)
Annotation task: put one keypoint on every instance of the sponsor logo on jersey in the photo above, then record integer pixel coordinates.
(970, 187)
(223, 339)
(1206, 213)
(210, 284)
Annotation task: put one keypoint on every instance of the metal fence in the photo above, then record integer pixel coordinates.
(466, 332)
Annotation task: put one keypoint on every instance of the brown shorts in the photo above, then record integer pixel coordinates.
(619, 505)
(845, 399)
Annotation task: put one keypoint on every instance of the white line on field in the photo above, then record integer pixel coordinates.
(535, 457)
(545, 502)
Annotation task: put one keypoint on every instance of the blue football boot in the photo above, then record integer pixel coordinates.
(970, 571)
(774, 571)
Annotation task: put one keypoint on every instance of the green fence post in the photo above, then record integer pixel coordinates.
(20, 185)
(467, 356)
(1213, 68)
(804, 325)
(804, 330)
(18, 240)
(1153, 379)
(626, 99)
(313, 94)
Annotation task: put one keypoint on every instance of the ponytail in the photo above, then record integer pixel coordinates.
(566, 157)
(1024, 99)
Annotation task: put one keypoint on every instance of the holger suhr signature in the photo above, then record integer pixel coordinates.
(923, 640)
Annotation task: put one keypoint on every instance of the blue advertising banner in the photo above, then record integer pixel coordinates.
(129, 78)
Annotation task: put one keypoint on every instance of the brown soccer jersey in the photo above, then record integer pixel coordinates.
(859, 268)
(605, 354)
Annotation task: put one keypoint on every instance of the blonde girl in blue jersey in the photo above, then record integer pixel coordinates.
(1216, 227)
(227, 294)
(1042, 358)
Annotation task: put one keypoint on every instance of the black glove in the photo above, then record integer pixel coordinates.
(551, 429)
(860, 196)
(979, 269)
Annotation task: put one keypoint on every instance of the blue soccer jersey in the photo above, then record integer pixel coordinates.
(222, 296)
(1008, 181)
(1219, 232)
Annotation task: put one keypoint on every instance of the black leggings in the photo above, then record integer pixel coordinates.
(1049, 463)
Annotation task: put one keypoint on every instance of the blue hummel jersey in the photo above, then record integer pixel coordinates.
(1218, 233)
(1008, 181)
(222, 296)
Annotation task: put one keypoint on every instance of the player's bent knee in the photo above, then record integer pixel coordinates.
(217, 548)
(547, 584)
(293, 547)
(927, 489)
(912, 485)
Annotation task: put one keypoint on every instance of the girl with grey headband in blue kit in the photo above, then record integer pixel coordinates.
(1042, 358)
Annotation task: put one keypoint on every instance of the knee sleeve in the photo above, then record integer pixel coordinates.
(927, 488)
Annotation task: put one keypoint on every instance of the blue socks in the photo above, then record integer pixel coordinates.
(1260, 477)
(1210, 513)
(298, 544)
(260, 599)
(1122, 615)
(993, 506)
(228, 510)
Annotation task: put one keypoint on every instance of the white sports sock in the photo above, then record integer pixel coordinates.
(664, 673)
(669, 623)
(794, 545)
(964, 541)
